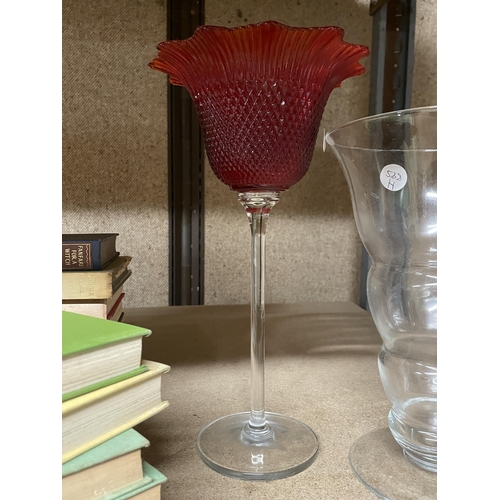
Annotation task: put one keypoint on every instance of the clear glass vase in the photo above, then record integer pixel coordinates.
(390, 163)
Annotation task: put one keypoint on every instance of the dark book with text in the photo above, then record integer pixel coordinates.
(92, 251)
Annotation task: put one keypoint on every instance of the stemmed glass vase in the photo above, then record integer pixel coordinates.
(260, 91)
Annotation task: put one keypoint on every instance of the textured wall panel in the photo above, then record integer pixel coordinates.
(114, 135)
(424, 92)
(115, 161)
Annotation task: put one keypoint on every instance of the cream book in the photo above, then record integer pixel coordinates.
(99, 308)
(102, 284)
(147, 487)
(149, 490)
(97, 416)
(115, 465)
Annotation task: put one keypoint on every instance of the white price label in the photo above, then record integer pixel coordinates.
(393, 177)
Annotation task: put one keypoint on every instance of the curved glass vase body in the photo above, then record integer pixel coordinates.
(260, 91)
(390, 162)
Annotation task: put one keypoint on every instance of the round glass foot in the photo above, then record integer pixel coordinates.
(379, 463)
(287, 447)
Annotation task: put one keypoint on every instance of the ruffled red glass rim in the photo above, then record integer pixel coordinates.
(264, 48)
(260, 91)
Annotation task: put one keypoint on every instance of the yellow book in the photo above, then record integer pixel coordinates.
(97, 416)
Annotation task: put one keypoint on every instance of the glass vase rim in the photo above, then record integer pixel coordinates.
(260, 25)
(386, 114)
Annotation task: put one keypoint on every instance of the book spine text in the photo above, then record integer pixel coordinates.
(77, 256)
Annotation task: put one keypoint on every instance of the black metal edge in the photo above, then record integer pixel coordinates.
(392, 56)
(186, 172)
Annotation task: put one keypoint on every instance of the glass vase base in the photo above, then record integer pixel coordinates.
(288, 448)
(379, 463)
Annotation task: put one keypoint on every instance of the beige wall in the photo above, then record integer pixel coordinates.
(424, 90)
(114, 153)
(114, 135)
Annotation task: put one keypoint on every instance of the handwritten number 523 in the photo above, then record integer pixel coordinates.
(393, 175)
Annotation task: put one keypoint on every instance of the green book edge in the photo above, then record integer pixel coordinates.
(123, 443)
(82, 333)
(152, 477)
(104, 383)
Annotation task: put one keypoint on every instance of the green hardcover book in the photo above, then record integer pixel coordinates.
(97, 352)
(115, 465)
(153, 486)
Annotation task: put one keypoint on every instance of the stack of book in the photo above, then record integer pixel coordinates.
(107, 389)
(93, 275)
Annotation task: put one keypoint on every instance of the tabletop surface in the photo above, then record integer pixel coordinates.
(321, 367)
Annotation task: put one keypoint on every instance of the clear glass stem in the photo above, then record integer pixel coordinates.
(258, 207)
(255, 444)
